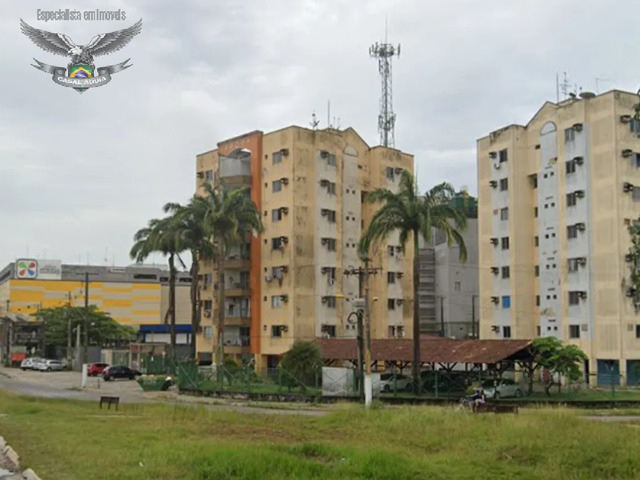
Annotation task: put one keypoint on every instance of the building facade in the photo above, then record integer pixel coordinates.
(556, 197)
(448, 291)
(134, 295)
(289, 283)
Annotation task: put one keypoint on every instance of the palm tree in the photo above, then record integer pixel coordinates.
(414, 216)
(230, 216)
(191, 227)
(162, 236)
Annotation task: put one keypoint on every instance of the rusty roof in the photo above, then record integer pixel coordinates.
(432, 350)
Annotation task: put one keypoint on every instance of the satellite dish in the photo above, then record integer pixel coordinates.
(586, 95)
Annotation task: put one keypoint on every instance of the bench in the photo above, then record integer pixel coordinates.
(497, 408)
(110, 401)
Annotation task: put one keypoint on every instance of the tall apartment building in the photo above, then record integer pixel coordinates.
(448, 292)
(289, 283)
(555, 199)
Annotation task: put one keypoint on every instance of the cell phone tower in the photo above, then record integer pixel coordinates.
(384, 52)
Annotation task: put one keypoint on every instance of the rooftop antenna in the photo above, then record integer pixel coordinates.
(314, 121)
(328, 113)
(565, 86)
(386, 119)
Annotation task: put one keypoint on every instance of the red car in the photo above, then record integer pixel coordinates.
(96, 369)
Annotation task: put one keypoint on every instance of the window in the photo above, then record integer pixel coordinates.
(331, 302)
(634, 125)
(391, 304)
(277, 157)
(276, 243)
(331, 216)
(276, 331)
(574, 331)
(505, 272)
(536, 241)
(276, 215)
(572, 231)
(503, 155)
(571, 199)
(537, 300)
(637, 331)
(389, 173)
(504, 214)
(505, 243)
(535, 212)
(506, 332)
(208, 304)
(331, 188)
(504, 184)
(330, 243)
(331, 159)
(569, 135)
(329, 330)
(391, 250)
(208, 175)
(574, 298)
(538, 331)
(537, 270)
(208, 278)
(276, 301)
(571, 167)
(331, 275)
(456, 286)
(391, 277)
(534, 181)
(635, 194)
(506, 301)
(208, 332)
(276, 186)
(573, 264)
(636, 160)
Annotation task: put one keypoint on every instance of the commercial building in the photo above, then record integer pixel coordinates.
(448, 292)
(556, 197)
(289, 283)
(135, 295)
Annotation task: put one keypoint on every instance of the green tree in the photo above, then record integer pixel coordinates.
(415, 216)
(162, 236)
(230, 216)
(104, 331)
(633, 260)
(191, 227)
(301, 365)
(558, 359)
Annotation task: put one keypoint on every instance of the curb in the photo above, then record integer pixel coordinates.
(29, 474)
(3, 444)
(12, 456)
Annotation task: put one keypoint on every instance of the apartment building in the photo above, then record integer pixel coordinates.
(134, 295)
(448, 291)
(289, 283)
(556, 197)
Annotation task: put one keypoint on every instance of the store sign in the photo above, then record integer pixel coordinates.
(33, 269)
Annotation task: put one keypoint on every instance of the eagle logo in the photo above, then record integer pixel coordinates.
(81, 73)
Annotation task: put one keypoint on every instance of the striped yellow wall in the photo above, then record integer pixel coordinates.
(127, 303)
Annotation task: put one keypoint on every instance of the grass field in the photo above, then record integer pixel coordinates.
(65, 440)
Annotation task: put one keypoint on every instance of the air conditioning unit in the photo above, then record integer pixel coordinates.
(627, 152)
(284, 151)
(628, 258)
(284, 269)
(495, 328)
(625, 118)
(285, 210)
(495, 300)
(578, 160)
(324, 270)
(324, 182)
(581, 226)
(397, 171)
(399, 274)
(324, 241)
(324, 299)
(401, 333)
(324, 154)
(268, 278)
(631, 292)
(284, 298)
(493, 183)
(577, 127)
(399, 301)
(207, 313)
(284, 180)
(627, 187)
(284, 240)
(582, 261)
(493, 154)
(494, 241)
(579, 193)
(496, 165)
(284, 328)
(495, 270)
(582, 295)
(200, 174)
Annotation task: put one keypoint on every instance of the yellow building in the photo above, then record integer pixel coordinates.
(289, 283)
(555, 199)
(135, 295)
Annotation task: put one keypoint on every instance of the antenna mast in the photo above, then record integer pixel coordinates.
(386, 119)
(314, 121)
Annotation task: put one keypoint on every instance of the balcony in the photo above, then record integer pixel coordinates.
(235, 171)
(240, 289)
(237, 317)
(237, 262)
(237, 345)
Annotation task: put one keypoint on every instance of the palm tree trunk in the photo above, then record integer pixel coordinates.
(195, 318)
(219, 343)
(416, 316)
(172, 304)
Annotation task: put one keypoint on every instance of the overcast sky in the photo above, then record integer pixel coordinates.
(80, 173)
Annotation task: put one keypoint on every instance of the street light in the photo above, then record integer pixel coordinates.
(356, 318)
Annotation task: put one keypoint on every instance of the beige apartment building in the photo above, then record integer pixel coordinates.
(289, 283)
(556, 197)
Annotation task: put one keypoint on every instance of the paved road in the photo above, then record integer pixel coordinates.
(614, 418)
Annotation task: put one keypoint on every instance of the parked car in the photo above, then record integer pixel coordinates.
(96, 369)
(119, 371)
(29, 363)
(390, 382)
(502, 388)
(45, 365)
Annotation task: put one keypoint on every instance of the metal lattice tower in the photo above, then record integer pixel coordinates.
(386, 119)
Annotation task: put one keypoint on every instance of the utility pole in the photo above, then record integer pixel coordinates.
(69, 359)
(368, 386)
(473, 316)
(360, 328)
(442, 316)
(86, 315)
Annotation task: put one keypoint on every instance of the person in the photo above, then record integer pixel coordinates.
(478, 399)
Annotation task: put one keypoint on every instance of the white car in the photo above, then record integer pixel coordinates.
(394, 382)
(29, 363)
(49, 365)
(501, 388)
